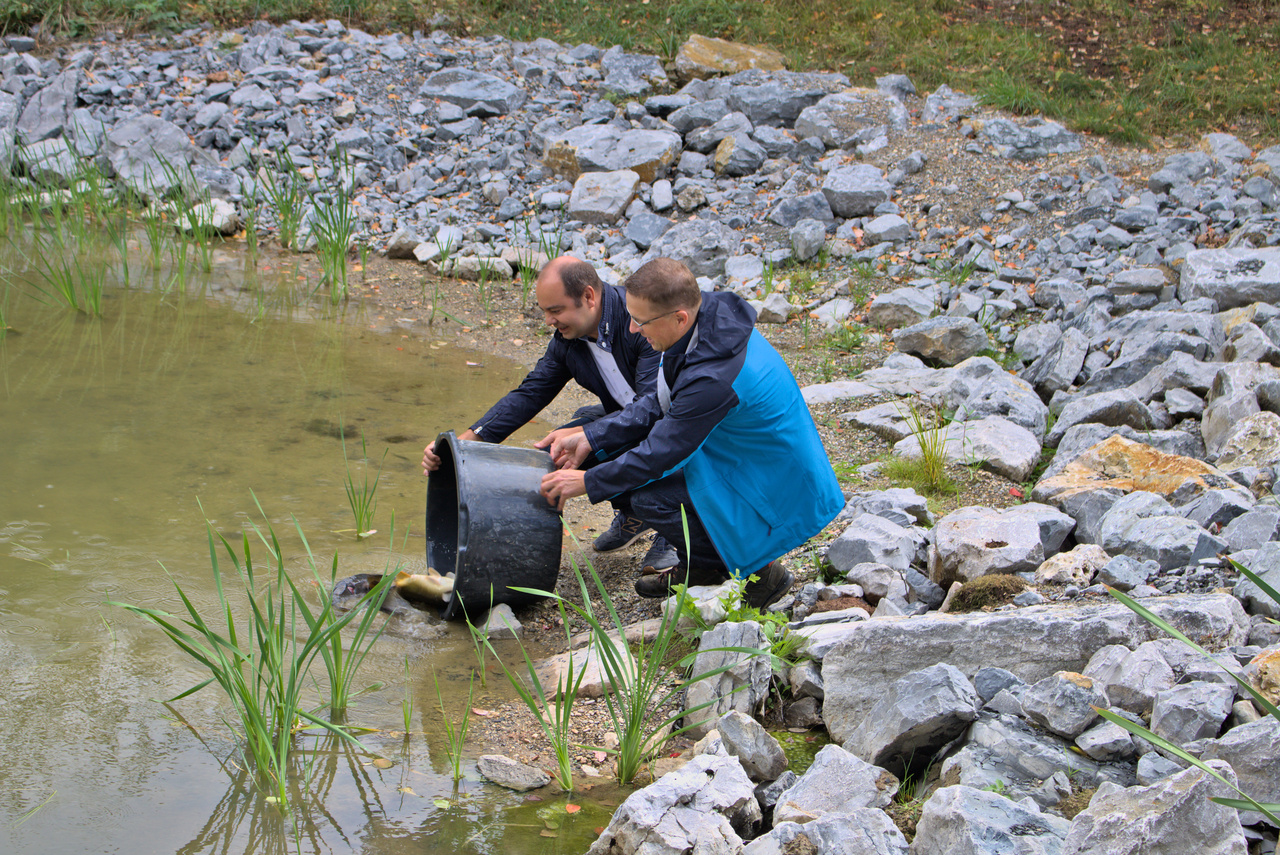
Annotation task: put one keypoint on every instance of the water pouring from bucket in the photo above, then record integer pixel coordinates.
(488, 525)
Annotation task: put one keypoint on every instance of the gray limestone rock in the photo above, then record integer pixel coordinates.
(512, 774)
(861, 831)
(1058, 367)
(474, 91)
(602, 197)
(760, 754)
(917, 715)
(1253, 528)
(1191, 711)
(887, 227)
(793, 209)
(836, 783)
(946, 339)
(860, 660)
(978, 387)
(151, 156)
(1141, 676)
(1216, 508)
(632, 74)
(870, 538)
(1030, 140)
(1232, 277)
(698, 808)
(777, 97)
(1253, 441)
(742, 687)
(644, 228)
(988, 682)
(889, 421)
(1082, 437)
(992, 443)
(900, 307)
(877, 581)
(1170, 541)
(45, 114)
(737, 155)
(605, 148)
(962, 820)
(1171, 816)
(1251, 751)
(1063, 703)
(1106, 742)
(805, 680)
(807, 239)
(973, 542)
(854, 191)
(1266, 564)
(703, 245)
(1120, 407)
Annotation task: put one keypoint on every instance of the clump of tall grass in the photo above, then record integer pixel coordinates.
(286, 191)
(927, 472)
(362, 496)
(455, 735)
(262, 662)
(333, 224)
(71, 278)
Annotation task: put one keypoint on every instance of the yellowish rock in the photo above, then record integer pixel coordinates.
(1263, 673)
(1127, 466)
(701, 57)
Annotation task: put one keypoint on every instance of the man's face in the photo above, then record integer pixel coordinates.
(661, 329)
(558, 310)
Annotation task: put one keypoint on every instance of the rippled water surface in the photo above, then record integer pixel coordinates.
(120, 436)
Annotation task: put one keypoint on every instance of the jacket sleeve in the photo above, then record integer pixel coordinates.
(698, 404)
(519, 406)
(647, 362)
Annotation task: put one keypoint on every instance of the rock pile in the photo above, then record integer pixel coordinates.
(1143, 318)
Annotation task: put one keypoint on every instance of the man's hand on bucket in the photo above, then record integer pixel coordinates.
(568, 446)
(562, 485)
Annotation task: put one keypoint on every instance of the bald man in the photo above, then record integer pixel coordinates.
(594, 345)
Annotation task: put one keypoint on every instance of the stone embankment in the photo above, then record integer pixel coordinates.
(1139, 298)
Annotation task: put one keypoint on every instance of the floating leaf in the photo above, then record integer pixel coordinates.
(545, 833)
(383, 763)
(407, 791)
(440, 803)
(572, 808)
(552, 824)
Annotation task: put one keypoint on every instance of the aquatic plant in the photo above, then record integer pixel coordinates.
(70, 278)
(286, 191)
(406, 703)
(1246, 802)
(262, 663)
(455, 735)
(552, 706)
(363, 496)
(639, 678)
(333, 224)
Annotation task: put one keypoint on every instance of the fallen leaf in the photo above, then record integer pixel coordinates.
(440, 803)
(1016, 493)
(407, 791)
(572, 808)
(482, 713)
(545, 833)
(383, 763)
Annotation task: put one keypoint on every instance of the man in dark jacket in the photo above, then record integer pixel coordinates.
(726, 437)
(594, 345)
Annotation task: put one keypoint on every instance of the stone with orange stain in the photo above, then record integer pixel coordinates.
(1064, 703)
(702, 57)
(1263, 673)
(1123, 464)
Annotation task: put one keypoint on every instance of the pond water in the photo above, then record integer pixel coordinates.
(121, 436)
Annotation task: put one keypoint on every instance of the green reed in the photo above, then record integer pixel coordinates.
(72, 278)
(333, 224)
(455, 735)
(262, 663)
(286, 192)
(362, 496)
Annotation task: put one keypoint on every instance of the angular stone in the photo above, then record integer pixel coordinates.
(978, 387)
(1075, 567)
(46, 114)
(760, 754)
(605, 148)
(900, 307)
(1106, 742)
(947, 340)
(512, 774)
(701, 57)
(807, 239)
(1216, 508)
(1120, 407)
(1141, 676)
(836, 783)
(1082, 437)
(1252, 529)
(742, 687)
(1063, 703)
(152, 156)
(993, 443)
(737, 155)
(1251, 751)
(1191, 711)
(916, 716)
(974, 542)
(964, 821)
(854, 191)
(602, 197)
(1030, 140)
(1058, 368)
(1174, 815)
(872, 539)
(644, 228)
(693, 809)
(889, 421)
(1232, 277)
(792, 210)
(887, 227)
(474, 91)
(864, 658)
(842, 119)
(1253, 441)
(861, 831)
(1266, 564)
(632, 74)
(703, 245)
(1170, 541)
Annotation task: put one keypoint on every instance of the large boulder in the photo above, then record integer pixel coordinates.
(854, 191)
(976, 541)
(835, 783)
(860, 831)
(1172, 816)
(867, 657)
(703, 245)
(742, 687)
(477, 93)
(605, 148)
(153, 158)
(702, 56)
(947, 340)
(916, 716)
(1232, 277)
(965, 821)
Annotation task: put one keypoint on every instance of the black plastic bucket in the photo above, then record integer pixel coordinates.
(488, 524)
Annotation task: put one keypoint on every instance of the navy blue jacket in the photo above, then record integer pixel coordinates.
(754, 465)
(569, 359)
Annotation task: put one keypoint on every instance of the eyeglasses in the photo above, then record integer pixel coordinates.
(642, 324)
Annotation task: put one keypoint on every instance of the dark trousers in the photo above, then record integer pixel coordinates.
(659, 504)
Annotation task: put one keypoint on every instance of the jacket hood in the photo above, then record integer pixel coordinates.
(725, 324)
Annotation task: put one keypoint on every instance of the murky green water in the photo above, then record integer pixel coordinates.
(115, 434)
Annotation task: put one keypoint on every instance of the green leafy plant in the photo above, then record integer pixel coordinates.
(638, 677)
(362, 497)
(552, 706)
(766, 279)
(928, 471)
(71, 277)
(455, 735)
(286, 191)
(406, 703)
(262, 663)
(1246, 802)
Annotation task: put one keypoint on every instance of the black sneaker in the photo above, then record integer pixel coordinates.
(661, 555)
(622, 532)
(772, 583)
(657, 583)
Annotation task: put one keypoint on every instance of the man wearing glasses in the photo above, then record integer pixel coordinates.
(725, 436)
(594, 345)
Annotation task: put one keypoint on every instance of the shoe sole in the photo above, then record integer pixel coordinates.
(637, 536)
(777, 593)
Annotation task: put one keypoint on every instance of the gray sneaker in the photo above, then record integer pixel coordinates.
(622, 532)
(771, 584)
(661, 555)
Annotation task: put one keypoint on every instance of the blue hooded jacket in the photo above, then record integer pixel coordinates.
(570, 359)
(754, 465)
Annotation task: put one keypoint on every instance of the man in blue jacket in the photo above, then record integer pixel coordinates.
(726, 436)
(594, 345)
